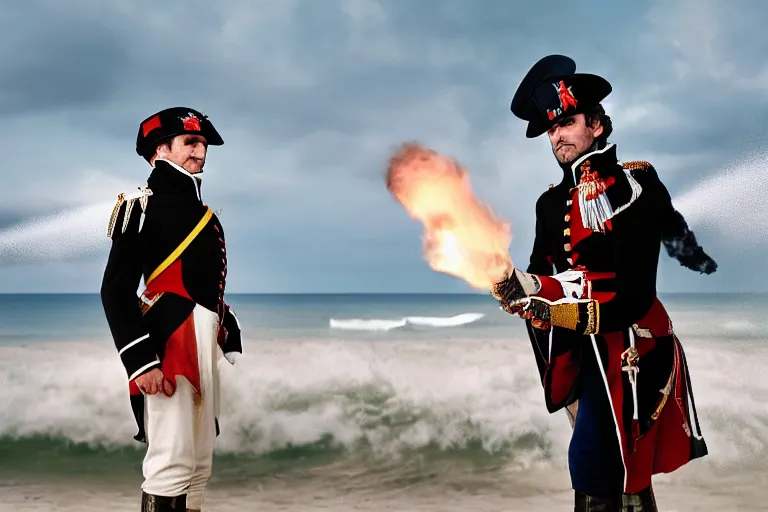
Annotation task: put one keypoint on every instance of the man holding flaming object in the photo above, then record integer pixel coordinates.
(601, 337)
(603, 343)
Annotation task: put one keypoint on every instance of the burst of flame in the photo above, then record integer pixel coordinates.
(462, 237)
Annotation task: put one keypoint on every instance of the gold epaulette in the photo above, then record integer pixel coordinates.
(142, 195)
(636, 165)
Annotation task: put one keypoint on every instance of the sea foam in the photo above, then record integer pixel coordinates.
(374, 324)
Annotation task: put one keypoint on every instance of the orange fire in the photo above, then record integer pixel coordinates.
(462, 237)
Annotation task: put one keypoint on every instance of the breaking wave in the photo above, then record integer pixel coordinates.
(373, 324)
(363, 407)
(397, 407)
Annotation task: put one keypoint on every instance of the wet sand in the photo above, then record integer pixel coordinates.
(313, 496)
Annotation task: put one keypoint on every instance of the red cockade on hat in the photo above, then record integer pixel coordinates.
(566, 97)
(150, 124)
(191, 122)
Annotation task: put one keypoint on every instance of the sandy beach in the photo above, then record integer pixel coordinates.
(310, 497)
(723, 494)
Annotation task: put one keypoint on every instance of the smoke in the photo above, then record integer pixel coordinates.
(733, 202)
(67, 235)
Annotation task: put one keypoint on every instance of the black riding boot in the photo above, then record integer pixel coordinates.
(644, 501)
(152, 503)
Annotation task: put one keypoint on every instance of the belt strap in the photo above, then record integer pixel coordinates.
(182, 246)
(596, 276)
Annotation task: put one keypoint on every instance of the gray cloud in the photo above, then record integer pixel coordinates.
(57, 58)
(312, 97)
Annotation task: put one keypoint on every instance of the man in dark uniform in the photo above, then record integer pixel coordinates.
(600, 335)
(169, 337)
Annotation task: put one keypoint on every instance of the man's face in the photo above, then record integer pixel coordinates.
(571, 137)
(188, 151)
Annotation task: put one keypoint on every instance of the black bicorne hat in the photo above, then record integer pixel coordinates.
(553, 90)
(168, 123)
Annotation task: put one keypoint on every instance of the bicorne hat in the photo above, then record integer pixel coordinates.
(552, 90)
(168, 123)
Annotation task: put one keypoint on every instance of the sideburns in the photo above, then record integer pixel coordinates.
(164, 148)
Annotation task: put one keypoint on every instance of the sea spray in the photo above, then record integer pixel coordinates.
(66, 235)
(733, 202)
(381, 400)
(386, 399)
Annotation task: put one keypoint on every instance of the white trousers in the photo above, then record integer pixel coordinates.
(181, 431)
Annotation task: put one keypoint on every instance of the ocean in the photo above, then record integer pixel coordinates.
(390, 402)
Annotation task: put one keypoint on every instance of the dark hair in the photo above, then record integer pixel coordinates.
(151, 150)
(597, 114)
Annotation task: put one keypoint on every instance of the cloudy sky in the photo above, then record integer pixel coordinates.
(312, 96)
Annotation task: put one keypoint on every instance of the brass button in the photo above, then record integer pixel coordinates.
(570, 261)
(567, 217)
(567, 247)
(569, 202)
(567, 231)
